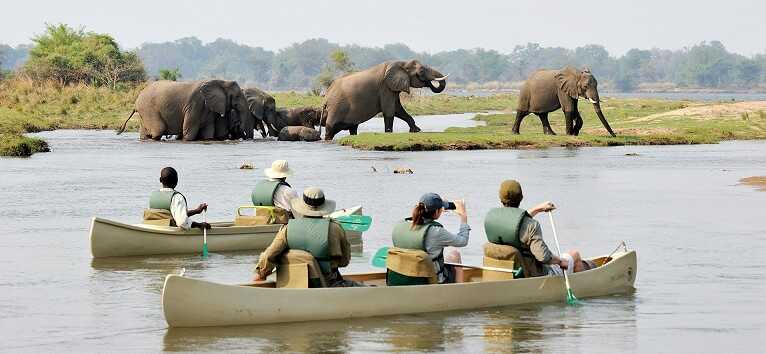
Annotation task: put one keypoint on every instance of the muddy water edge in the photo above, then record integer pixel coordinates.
(698, 233)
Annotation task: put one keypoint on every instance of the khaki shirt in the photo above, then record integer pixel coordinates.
(340, 250)
(531, 237)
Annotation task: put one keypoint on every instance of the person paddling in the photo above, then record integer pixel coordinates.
(167, 199)
(322, 238)
(421, 233)
(275, 191)
(512, 226)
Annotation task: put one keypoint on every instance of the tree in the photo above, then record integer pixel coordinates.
(340, 64)
(170, 74)
(69, 55)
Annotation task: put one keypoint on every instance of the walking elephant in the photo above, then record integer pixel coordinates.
(548, 90)
(264, 108)
(301, 116)
(356, 98)
(195, 110)
(298, 133)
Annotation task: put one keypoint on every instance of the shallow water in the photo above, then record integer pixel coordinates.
(699, 236)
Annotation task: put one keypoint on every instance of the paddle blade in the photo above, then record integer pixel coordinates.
(204, 251)
(355, 222)
(379, 259)
(571, 299)
(355, 227)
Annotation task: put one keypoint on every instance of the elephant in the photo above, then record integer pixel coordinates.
(263, 107)
(298, 133)
(301, 116)
(194, 110)
(357, 97)
(548, 90)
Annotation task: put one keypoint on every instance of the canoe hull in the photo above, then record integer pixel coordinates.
(196, 303)
(113, 239)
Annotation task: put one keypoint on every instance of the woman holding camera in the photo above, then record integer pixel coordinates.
(422, 233)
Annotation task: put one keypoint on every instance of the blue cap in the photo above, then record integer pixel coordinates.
(433, 201)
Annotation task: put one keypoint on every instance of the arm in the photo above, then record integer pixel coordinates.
(199, 210)
(542, 207)
(179, 212)
(267, 259)
(532, 238)
(344, 258)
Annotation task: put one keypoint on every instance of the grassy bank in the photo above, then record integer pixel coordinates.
(636, 122)
(27, 106)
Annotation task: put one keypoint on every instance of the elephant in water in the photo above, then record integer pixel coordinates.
(356, 98)
(548, 90)
(298, 133)
(264, 108)
(195, 110)
(301, 116)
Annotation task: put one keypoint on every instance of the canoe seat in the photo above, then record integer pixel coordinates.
(262, 215)
(160, 217)
(299, 269)
(500, 256)
(489, 275)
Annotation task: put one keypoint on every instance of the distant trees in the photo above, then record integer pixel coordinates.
(170, 74)
(68, 55)
(339, 65)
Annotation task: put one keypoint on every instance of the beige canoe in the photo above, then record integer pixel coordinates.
(114, 239)
(190, 302)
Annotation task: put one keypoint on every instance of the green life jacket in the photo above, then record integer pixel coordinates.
(502, 226)
(404, 236)
(263, 193)
(311, 235)
(162, 199)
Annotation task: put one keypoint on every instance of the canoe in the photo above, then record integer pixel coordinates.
(115, 239)
(188, 302)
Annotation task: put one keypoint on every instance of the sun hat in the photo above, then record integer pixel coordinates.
(433, 201)
(510, 192)
(279, 169)
(313, 203)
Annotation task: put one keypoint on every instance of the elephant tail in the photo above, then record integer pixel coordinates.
(126, 122)
(322, 118)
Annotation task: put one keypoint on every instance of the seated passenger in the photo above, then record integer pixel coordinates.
(420, 241)
(169, 205)
(323, 238)
(512, 226)
(275, 191)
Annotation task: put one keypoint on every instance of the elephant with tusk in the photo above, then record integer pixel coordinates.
(548, 90)
(356, 98)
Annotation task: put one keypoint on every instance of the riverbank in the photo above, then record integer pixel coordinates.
(27, 107)
(635, 121)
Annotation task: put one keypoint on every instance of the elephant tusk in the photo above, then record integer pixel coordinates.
(592, 100)
(441, 78)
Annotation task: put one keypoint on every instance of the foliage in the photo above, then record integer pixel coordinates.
(340, 64)
(68, 55)
(21, 146)
(170, 74)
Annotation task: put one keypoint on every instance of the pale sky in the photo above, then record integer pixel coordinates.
(424, 25)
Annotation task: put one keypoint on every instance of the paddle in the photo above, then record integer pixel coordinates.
(379, 260)
(204, 235)
(571, 299)
(354, 222)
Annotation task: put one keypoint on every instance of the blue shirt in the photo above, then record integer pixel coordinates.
(437, 238)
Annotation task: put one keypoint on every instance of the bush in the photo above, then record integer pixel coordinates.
(22, 146)
(168, 74)
(68, 56)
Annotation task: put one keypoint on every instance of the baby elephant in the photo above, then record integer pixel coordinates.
(301, 116)
(298, 133)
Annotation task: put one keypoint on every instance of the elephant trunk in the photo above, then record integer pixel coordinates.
(597, 108)
(440, 88)
(434, 75)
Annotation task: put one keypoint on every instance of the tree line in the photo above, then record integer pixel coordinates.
(98, 59)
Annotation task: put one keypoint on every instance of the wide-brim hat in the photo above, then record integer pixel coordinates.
(278, 169)
(313, 203)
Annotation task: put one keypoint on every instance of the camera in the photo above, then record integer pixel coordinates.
(450, 206)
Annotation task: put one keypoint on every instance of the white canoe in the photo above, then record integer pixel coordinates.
(190, 302)
(115, 239)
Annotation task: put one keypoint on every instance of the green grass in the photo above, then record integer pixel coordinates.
(630, 118)
(19, 145)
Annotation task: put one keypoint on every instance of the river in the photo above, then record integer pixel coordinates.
(699, 236)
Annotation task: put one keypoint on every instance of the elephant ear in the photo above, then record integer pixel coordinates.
(214, 95)
(255, 106)
(396, 78)
(568, 81)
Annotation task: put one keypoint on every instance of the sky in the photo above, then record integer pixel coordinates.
(423, 25)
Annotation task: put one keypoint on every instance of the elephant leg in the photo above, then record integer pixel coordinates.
(519, 117)
(546, 124)
(388, 122)
(330, 132)
(569, 118)
(208, 132)
(403, 115)
(352, 130)
(577, 122)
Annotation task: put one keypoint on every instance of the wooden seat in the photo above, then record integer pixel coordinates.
(489, 275)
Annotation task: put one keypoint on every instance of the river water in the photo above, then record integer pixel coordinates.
(699, 236)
